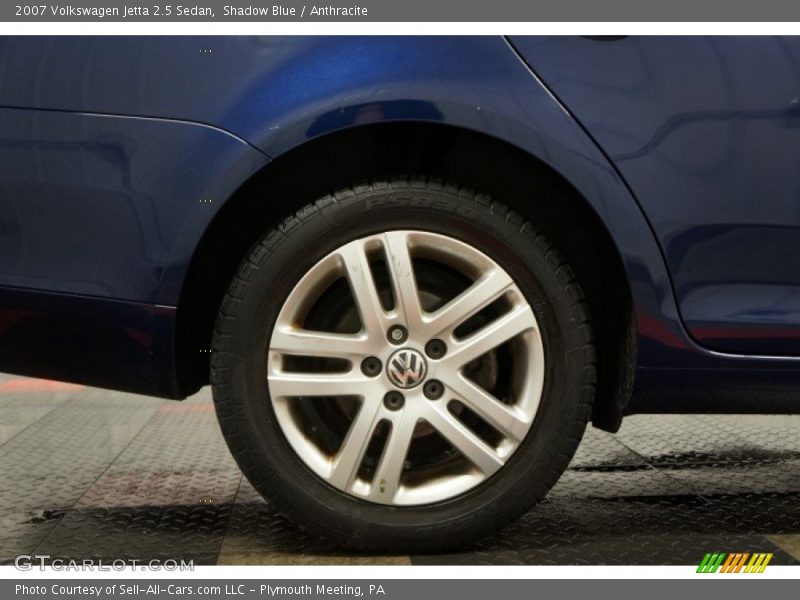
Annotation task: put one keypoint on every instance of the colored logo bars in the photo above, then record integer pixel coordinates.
(734, 562)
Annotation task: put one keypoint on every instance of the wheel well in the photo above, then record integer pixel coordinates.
(460, 156)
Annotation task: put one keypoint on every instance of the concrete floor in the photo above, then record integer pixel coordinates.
(89, 473)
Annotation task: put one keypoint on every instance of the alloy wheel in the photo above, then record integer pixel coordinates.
(405, 368)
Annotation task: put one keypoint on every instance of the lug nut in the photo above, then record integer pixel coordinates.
(433, 389)
(436, 348)
(371, 366)
(394, 400)
(397, 334)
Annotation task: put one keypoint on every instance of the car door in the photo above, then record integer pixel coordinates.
(706, 132)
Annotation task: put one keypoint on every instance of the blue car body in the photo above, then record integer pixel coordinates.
(121, 157)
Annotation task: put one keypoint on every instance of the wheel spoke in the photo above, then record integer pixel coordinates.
(502, 417)
(387, 475)
(470, 445)
(478, 296)
(362, 285)
(499, 331)
(404, 284)
(302, 342)
(291, 385)
(350, 455)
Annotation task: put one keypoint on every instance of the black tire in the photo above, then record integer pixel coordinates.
(270, 271)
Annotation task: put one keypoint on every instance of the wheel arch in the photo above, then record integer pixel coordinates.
(384, 150)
